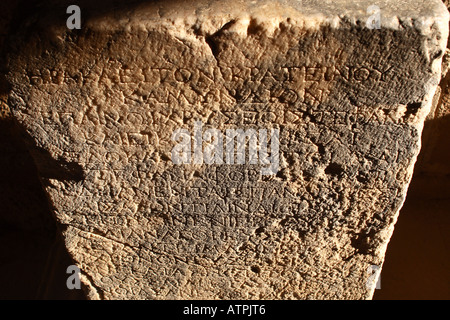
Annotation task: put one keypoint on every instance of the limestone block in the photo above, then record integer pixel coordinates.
(132, 121)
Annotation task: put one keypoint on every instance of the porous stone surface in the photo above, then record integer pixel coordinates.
(100, 105)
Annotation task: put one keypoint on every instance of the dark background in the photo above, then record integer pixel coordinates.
(33, 259)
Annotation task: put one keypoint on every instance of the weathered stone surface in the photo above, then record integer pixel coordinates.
(432, 169)
(100, 106)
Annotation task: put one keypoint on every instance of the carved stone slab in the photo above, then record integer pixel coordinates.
(135, 123)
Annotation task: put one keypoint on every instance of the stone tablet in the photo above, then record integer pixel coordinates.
(227, 150)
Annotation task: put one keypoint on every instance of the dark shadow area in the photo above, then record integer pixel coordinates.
(418, 256)
(48, 167)
(33, 258)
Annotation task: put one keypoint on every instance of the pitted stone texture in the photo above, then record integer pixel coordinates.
(101, 104)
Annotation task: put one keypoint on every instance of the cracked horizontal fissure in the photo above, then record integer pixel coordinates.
(102, 235)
